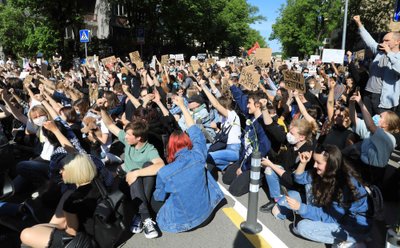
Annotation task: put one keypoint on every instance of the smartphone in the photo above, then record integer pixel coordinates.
(149, 90)
(358, 89)
(169, 100)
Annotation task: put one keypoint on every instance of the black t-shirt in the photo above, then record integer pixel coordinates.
(82, 202)
(337, 136)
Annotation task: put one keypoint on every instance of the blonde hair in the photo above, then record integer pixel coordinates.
(78, 169)
(304, 128)
(39, 109)
(392, 121)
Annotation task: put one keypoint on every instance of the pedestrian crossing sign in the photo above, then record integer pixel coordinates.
(84, 35)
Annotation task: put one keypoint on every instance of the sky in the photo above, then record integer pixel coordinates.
(269, 9)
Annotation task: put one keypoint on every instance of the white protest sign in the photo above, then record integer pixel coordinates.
(179, 57)
(333, 55)
(313, 58)
(221, 63)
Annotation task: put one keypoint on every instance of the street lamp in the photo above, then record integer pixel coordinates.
(345, 24)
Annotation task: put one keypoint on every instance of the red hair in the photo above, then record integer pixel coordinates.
(177, 141)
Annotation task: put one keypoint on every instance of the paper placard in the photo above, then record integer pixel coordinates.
(135, 56)
(164, 59)
(333, 55)
(201, 56)
(90, 61)
(172, 56)
(195, 65)
(249, 78)
(179, 57)
(263, 56)
(294, 80)
(139, 64)
(360, 55)
(109, 60)
(313, 58)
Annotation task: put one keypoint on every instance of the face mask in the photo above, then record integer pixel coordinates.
(120, 97)
(376, 119)
(305, 75)
(40, 120)
(213, 81)
(312, 86)
(78, 113)
(291, 139)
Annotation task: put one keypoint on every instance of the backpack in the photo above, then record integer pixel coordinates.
(108, 219)
(375, 203)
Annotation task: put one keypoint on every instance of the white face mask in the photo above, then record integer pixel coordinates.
(291, 139)
(40, 120)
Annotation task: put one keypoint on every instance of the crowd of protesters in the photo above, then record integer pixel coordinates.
(165, 132)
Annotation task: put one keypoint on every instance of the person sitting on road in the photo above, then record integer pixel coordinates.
(186, 207)
(336, 205)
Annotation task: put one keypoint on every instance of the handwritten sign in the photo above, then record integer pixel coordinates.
(109, 60)
(135, 56)
(313, 58)
(249, 78)
(294, 80)
(360, 55)
(90, 61)
(195, 65)
(333, 55)
(164, 59)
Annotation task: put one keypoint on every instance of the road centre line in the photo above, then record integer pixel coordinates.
(266, 237)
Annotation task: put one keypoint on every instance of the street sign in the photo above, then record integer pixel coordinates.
(84, 36)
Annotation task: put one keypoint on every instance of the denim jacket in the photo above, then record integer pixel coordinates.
(264, 143)
(189, 191)
(353, 217)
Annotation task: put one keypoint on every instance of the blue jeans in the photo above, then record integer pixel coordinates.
(328, 233)
(274, 185)
(7, 208)
(223, 158)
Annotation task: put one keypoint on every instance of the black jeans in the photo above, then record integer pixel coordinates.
(371, 102)
(239, 185)
(141, 192)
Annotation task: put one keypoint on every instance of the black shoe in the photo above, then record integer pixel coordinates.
(266, 208)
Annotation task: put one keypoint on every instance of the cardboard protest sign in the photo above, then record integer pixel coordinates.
(179, 57)
(360, 55)
(135, 56)
(164, 59)
(201, 56)
(263, 56)
(294, 80)
(109, 60)
(195, 65)
(333, 55)
(249, 78)
(90, 62)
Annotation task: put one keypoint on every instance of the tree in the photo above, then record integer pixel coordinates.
(303, 24)
(25, 34)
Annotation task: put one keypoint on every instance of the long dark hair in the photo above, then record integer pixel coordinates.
(337, 176)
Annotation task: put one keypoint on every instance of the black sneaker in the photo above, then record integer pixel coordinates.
(27, 210)
(137, 225)
(266, 208)
(150, 231)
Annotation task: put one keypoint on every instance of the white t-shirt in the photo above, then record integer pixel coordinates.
(106, 147)
(235, 132)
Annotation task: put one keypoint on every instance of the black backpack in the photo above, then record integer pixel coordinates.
(108, 218)
(375, 203)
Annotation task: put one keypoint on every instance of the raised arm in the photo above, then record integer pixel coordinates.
(109, 123)
(212, 99)
(51, 126)
(303, 109)
(17, 113)
(157, 100)
(366, 115)
(330, 104)
(131, 97)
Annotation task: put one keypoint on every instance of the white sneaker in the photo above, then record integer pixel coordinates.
(149, 229)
